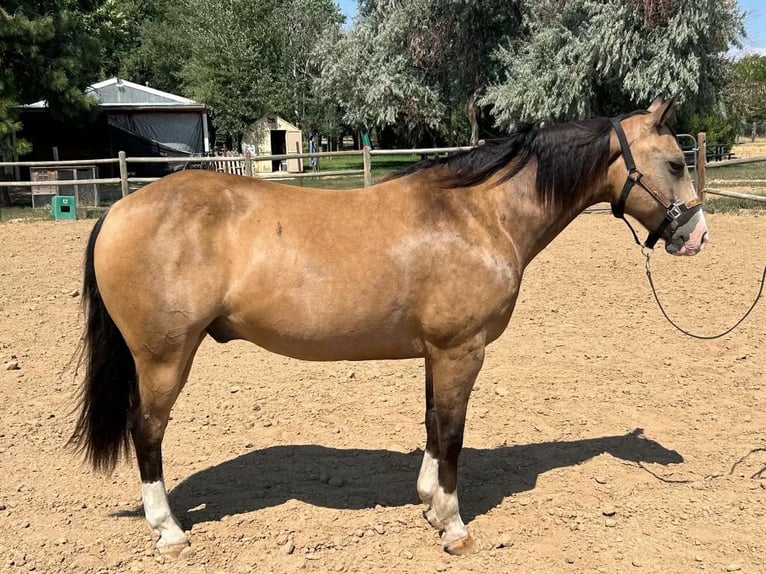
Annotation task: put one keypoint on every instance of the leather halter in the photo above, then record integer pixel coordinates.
(676, 212)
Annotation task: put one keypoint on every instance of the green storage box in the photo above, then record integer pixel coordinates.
(63, 207)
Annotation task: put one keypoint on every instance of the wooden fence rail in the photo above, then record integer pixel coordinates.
(736, 194)
(243, 165)
(737, 161)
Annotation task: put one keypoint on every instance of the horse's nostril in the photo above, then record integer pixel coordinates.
(705, 238)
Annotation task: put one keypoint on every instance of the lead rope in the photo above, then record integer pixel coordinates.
(647, 253)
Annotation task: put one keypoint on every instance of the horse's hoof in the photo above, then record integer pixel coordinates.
(430, 515)
(459, 547)
(174, 551)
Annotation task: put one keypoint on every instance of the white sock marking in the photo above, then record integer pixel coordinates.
(158, 514)
(447, 509)
(428, 478)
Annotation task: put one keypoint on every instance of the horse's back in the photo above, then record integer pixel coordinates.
(314, 274)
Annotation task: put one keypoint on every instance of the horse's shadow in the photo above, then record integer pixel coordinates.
(356, 478)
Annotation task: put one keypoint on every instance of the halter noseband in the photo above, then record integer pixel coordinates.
(676, 213)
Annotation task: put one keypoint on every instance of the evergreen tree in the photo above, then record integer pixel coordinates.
(53, 49)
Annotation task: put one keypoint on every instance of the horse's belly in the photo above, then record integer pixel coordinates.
(332, 341)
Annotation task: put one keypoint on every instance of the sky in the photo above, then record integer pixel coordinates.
(348, 7)
(755, 23)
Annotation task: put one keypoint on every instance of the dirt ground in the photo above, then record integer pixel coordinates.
(598, 438)
(749, 148)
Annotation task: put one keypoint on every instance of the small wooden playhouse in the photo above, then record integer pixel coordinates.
(273, 135)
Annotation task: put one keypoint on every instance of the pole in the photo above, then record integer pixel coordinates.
(701, 161)
(367, 167)
(123, 173)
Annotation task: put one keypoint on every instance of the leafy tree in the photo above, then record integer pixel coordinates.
(303, 23)
(163, 47)
(372, 86)
(747, 89)
(118, 24)
(417, 65)
(583, 57)
(233, 64)
(242, 58)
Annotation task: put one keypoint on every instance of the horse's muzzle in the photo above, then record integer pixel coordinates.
(690, 238)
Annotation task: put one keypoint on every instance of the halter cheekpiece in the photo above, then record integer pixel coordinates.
(676, 212)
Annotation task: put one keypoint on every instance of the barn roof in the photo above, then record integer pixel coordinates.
(116, 93)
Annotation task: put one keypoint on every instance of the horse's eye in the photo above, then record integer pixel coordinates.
(676, 166)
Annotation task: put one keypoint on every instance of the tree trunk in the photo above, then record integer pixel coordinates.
(472, 112)
(5, 192)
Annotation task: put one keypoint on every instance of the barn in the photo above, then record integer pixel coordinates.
(273, 135)
(136, 119)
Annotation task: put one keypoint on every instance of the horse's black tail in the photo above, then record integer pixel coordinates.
(109, 391)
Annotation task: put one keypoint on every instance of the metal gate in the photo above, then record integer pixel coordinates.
(688, 144)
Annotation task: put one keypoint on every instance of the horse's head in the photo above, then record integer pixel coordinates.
(650, 181)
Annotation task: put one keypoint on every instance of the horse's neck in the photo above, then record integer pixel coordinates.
(530, 225)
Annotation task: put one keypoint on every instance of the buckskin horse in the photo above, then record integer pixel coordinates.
(425, 264)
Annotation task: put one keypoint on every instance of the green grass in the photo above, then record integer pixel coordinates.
(21, 204)
(330, 182)
(25, 213)
(748, 171)
(743, 178)
(715, 204)
(381, 167)
(385, 162)
(44, 213)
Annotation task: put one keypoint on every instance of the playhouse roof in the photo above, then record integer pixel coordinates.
(275, 121)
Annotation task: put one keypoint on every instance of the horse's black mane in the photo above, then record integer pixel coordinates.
(570, 157)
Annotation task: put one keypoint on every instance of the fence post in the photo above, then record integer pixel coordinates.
(701, 161)
(123, 173)
(248, 165)
(367, 167)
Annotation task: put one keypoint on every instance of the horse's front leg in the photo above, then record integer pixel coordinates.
(453, 373)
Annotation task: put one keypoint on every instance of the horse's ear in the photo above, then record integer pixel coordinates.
(661, 110)
(656, 103)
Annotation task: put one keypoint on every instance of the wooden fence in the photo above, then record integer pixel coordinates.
(242, 165)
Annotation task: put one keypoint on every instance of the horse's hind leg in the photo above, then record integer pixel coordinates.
(159, 382)
(428, 478)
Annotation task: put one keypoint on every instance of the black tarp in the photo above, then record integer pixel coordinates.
(156, 135)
